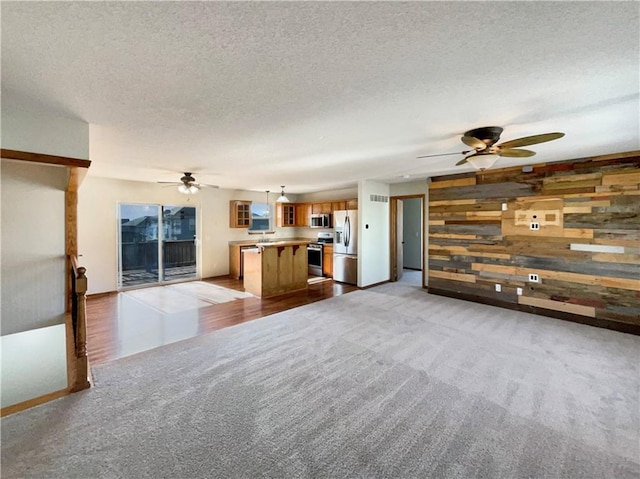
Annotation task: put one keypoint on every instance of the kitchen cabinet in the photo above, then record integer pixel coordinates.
(338, 205)
(239, 214)
(234, 261)
(303, 212)
(327, 260)
(321, 208)
(352, 204)
(285, 214)
(236, 252)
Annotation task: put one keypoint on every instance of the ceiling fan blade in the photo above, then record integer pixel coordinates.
(474, 143)
(513, 153)
(462, 161)
(442, 154)
(169, 182)
(531, 140)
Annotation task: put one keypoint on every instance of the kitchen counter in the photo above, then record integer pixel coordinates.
(261, 240)
(276, 268)
(285, 243)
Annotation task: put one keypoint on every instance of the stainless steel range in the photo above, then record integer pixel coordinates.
(315, 253)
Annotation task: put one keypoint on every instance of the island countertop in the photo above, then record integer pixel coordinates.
(284, 243)
(260, 240)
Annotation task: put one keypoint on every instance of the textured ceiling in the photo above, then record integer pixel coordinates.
(316, 96)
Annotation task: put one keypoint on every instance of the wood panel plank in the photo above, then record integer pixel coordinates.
(627, 178)
(441, 235)
(558, 306)
(577, 233)
(451, 202)
(452, 183)
(465, 278)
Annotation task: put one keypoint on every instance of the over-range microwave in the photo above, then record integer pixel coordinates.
(320, 221)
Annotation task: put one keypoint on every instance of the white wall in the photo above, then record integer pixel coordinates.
(41, 132)
(34, 363)
(33, 245)
(373, 236)
(33, 272)
(97, 224)
(318, 197)
(412, 233)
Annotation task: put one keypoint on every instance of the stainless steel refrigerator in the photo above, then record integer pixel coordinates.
(345, 246)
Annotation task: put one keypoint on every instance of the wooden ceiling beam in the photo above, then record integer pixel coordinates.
(43, 158)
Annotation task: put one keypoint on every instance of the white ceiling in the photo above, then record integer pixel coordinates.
(317, 95)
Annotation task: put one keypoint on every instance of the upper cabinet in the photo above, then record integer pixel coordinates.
(303, 212)
(285, 214)
(239, 214)
(321, 208)
(289, 214)
(338, 205)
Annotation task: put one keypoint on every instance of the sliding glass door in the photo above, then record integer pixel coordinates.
(178, 243)
(157, 244)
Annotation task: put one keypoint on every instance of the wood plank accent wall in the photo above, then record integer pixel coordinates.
(586, 250)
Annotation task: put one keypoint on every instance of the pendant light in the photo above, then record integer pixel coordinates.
(282, 198)
(267, 192)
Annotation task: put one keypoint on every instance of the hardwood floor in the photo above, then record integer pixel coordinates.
(117, 328)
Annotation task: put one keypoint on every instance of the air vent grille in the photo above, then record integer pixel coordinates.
(379, 198)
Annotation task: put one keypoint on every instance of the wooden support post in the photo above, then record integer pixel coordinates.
(82, 363)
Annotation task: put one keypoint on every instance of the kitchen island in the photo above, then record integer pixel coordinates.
(276, 268)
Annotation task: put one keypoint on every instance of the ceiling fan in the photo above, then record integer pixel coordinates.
(187, 184)
(485, 151)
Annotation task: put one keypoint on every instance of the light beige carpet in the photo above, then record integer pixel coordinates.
(388, 382)
(176, 298)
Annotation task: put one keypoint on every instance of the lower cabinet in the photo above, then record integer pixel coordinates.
(234, 261)
(327, 260)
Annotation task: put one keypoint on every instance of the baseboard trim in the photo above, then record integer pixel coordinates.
(374, 285)
(29, 403)
(574, 318)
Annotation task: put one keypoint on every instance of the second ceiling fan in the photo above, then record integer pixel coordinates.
(485, 151)
(188, 185)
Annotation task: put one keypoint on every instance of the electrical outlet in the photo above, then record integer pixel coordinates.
(504, 207)
(519, 291)
(534, 226)
(534, 278)
(498, 288)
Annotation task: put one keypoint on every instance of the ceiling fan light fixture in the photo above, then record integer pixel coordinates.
(282, 198)
(187, 189)
(483, 162)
